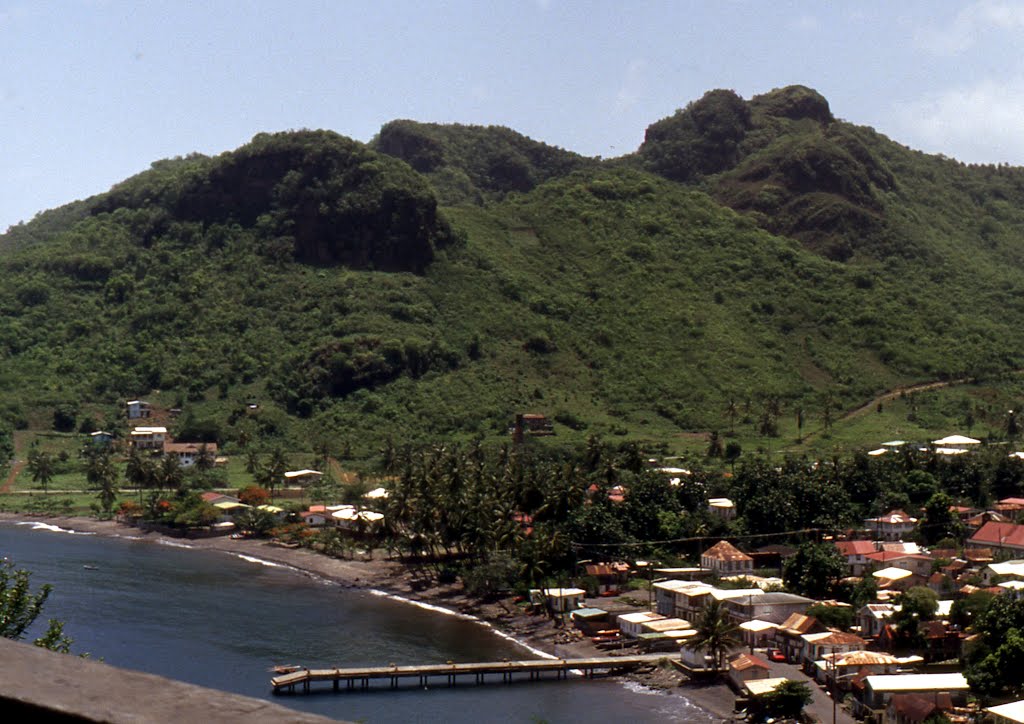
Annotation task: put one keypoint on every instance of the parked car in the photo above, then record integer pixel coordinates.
(776, 655)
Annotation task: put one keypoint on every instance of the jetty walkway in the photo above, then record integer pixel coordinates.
(301, 681)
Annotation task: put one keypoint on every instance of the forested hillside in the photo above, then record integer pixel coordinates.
(753, 254)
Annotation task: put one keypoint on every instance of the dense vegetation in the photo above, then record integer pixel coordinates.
(756, 268)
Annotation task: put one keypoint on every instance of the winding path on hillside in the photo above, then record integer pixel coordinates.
(17, 464)
(895, 392)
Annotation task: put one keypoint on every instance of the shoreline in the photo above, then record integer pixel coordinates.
(395, 580)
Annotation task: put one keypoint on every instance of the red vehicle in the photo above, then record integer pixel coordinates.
(776, 655)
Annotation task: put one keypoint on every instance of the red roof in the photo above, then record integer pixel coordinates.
(885, 556)
(723, 550)
(855, 547)
(1000, 535)
(748, 661)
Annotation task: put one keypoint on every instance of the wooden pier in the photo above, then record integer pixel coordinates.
(301, 681)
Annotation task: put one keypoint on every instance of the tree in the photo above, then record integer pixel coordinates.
(786, 700)
(917, 604)
(256, 521)
(253, 495)
(939, 520)
(965, 611)
(102, 477)
(840, 617)
(20, 607)
(733, 450)
(814, 570)
(271, 475)
(715, 633)
(168, 473)
(41, 466)
(714, 445)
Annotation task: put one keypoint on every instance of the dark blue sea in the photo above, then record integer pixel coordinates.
(218, 620)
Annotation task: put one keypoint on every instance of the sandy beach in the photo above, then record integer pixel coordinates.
(536, 633)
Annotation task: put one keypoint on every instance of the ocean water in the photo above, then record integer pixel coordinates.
(223, 620)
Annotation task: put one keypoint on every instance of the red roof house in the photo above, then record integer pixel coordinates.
(999, 536)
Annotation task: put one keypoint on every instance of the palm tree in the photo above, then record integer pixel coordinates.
(102, 477)
(715, 633)
(41, 466)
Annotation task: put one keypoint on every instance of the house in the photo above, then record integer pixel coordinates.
(916, 708)
(316, 516)
(879, 689)
(1007, 570)
(302, 477)
(529, 423)
(790, 632)
(873, 617)
(978, 556)
(609, 577)
(188, 453)
(837, 668)
(230, 508)
(745, 667)
(589, 620)
(138, 410)
(1012, 713)
(631, 624)
(1003, 537)
(101, 438)
(724, 558)
(854, 551)
(956, 442)
(894, 525)
(775, 607)
(987, 516)
(148, 438)
(917, 563)
(757, 634)
(558, 600)
(942, 641)
(816, 645)
(897, 579)
(213, 498)
(350, 518)
(722, 508)
(691, 600)
(665, 597)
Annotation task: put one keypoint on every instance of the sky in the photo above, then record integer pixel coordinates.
(94, 91)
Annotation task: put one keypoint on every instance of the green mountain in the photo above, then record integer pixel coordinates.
(437, 280)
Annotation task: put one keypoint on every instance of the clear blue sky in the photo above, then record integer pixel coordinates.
(93, 91)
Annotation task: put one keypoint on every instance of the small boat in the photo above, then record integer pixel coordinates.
(87, 567)
(285, 668)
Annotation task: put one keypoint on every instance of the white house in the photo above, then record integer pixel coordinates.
(816, 645)
(726, 558)
(631, 624)
(302, 477)
(722, 507)
(873, 617)
(137, 409)
(559, 600)
(190, 452)
(148, 438)
(894, 525)
(879, 689)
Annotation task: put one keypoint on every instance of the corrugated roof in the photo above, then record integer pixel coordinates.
(723, 550)
(918, 682)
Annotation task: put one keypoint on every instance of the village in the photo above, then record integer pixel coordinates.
(893, 656)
